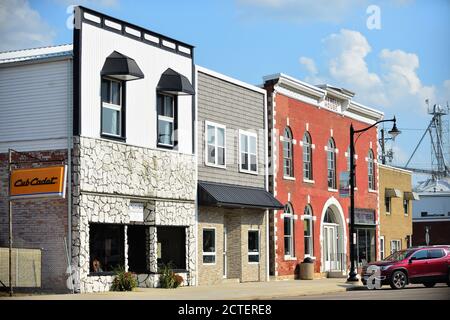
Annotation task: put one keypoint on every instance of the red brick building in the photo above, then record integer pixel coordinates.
(309, 149)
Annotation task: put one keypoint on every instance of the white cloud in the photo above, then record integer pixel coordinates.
(397, 85)
(22, 27)
(301, 10)
(309, 65)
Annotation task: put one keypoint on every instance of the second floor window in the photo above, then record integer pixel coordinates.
(387, 204)
(215, 144)
(331, 163)
(307, 157)
(247, 152)
(405, 206)
(371, 170)
(112, 113)
(166, 120)
(288, 165)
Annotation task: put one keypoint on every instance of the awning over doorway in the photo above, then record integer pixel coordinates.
(232, 196)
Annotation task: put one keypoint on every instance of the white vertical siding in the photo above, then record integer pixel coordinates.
(97, 45)
(34, 101)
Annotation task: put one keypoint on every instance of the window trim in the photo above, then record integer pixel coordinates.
(167, 119)
(399, 247)
(292, 236)
(259, 247)
(248, 134)
(308, 147)
(309, 217)
(382, 248)
(221, 126)
(215, 246)
(121, 108)
(290, 140)
(334, 153)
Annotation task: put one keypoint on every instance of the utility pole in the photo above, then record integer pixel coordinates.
(10, 222)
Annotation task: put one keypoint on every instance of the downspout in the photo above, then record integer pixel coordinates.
(266, 182)
(69, 158)
(195, 149)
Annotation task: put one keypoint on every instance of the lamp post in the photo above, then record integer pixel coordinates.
(352, 276)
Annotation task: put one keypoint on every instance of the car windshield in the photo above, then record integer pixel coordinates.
(399, 255)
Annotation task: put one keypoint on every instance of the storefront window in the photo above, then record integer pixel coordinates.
(106, 246)
(365, 245)
(172, 247)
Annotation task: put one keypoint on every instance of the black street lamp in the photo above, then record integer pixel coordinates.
(394, 132)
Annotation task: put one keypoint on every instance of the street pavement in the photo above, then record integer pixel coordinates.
(319, 289)
(413, 292)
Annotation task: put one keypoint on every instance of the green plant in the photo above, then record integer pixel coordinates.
(123, 281)
(169, 279)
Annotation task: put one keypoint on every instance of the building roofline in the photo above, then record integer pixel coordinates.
(385, 166)
(38, 55)
(226, 78)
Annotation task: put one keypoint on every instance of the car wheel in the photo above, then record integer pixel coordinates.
(398, 280)
(429, 284)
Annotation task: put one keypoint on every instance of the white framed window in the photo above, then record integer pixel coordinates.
(166, 120)
(111, 91)
(331, 163)
(308, 231)
(253, 246)
(382, 248)
(307, 157)
(288, 157)
(371, 170)
(248, 152)
(288, 219)
(396, 245)
(209, 246)
(215, 144)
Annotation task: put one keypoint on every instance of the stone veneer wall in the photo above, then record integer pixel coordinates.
(108, 176)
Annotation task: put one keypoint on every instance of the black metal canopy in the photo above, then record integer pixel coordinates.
(121, 67)
(175, 83)
(232, 196)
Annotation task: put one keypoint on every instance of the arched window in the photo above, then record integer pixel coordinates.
(329, 216)
(288, 153)
(288, 230)
(307, 157)
(308, 231)
(371, 170)
(331, 163)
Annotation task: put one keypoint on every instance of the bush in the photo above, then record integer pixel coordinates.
(168, 279)
(124, 281)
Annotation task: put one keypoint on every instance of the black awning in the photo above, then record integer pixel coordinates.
(175, 83)
(121, 67)
(226, 195)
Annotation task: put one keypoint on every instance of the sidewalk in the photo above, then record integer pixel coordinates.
(229, 291)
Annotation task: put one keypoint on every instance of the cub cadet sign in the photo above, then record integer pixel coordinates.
(48, 182)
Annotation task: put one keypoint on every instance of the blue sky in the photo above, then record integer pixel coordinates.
(394, 68)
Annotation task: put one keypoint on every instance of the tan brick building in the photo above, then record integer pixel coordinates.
(396, 197)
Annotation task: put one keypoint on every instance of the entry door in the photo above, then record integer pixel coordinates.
(330, 248)
(225, 262)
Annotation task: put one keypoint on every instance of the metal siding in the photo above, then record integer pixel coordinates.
(97, 45)
(237, 108)
(33, 105)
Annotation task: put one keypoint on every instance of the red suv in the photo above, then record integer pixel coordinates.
(426, 265)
